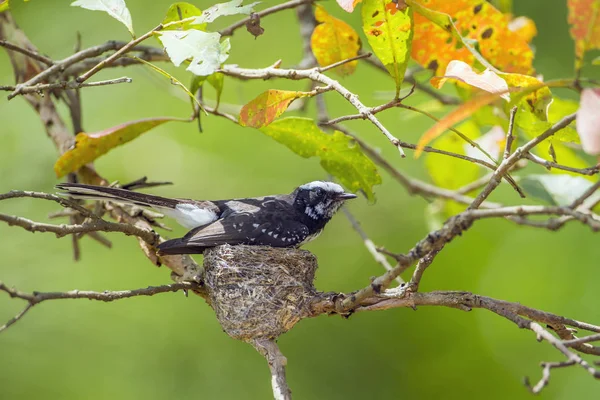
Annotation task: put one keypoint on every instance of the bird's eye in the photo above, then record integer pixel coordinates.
(320, 192)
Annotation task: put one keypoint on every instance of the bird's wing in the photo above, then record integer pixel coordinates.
(238, 229)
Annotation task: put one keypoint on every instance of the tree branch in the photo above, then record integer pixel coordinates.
(29, 53)
(270, 351)
(65, 85)
(316, 76)
(267, 11)
(106, 296)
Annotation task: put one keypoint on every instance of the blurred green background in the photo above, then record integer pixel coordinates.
(169, 346)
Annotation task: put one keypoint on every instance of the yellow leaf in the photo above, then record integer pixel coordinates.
(333, 40)
(267, 106)
(388, 26)
(89, 146)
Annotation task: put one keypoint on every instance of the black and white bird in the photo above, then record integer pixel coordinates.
(284, 220)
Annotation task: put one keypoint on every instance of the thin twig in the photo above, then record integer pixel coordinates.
(422, 265)
(442, 98)
(379, 258)
(506, 164)
(280, 7)
(342, 62)
(590, 191)
(549, 165)
(63, 201)
(585, 339)
(412, 185)
(66, 85)
(60, 65)
(29, 53)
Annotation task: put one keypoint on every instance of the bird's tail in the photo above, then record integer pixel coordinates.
(178, 246)
(91, 192)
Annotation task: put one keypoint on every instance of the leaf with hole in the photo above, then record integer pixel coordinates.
(180, 11)
(388, 25)
(204, 49)
(222, 9)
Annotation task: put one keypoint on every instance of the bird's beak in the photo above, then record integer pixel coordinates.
(346, 196)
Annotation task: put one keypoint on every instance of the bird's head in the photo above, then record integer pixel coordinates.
(319, 200)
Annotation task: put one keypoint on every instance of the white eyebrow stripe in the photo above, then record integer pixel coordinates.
(328, 186)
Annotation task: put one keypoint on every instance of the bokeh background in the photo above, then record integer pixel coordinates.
(169, 346)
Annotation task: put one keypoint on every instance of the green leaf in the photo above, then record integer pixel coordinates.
(267, 106)
(4, 5)
(536, 189)
(203, 48)
(180, 11)
(388, 28)
(340, 155)
(89, 146)
(115, 8)
(217, 81)
(559, 190)
(451, 172)
(219, 10)
(533, 126)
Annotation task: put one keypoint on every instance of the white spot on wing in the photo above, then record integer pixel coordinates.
(240, 206)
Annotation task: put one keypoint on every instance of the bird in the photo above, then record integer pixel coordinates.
(283, 220)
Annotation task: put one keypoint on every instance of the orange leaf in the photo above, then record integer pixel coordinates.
(333, 40)
(89, 146)
(267, 106)
(464, 111)
(434, 47)
(584, 18)
(348, 5)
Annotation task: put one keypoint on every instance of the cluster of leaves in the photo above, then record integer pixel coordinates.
(484, 52)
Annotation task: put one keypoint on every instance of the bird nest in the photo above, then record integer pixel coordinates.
(259, 291)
